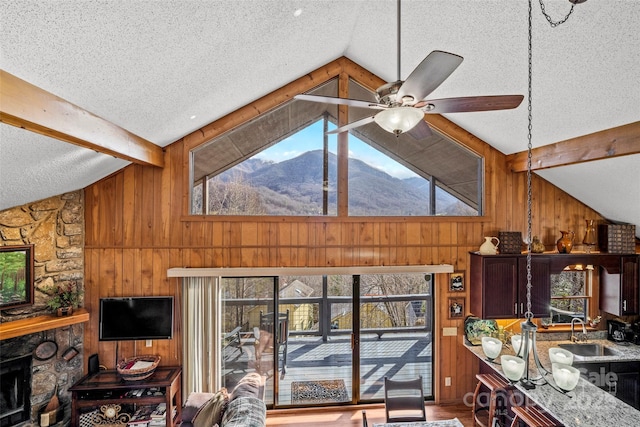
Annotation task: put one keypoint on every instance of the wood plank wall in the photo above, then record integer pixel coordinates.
(136, 229)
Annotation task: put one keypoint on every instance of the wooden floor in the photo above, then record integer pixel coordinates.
(350, 416)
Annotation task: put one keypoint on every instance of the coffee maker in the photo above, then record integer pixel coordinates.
(617, 330)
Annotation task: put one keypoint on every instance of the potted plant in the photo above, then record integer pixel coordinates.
(65, 298)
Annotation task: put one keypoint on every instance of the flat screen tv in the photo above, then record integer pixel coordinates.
(136, 318)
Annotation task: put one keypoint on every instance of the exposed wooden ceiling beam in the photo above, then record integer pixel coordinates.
(619, 141)
(27, 106)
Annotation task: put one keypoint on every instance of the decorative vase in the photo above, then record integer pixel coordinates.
(590, 239)
(488, 247)
(565, 242)
(537, 247)
(64, 311)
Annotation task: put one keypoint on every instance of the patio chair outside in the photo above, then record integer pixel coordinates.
(404, 400)
(278, 342)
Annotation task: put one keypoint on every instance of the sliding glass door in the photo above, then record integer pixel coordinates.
(247, 337)
(395, 337)
(319, 361)
(323, 340)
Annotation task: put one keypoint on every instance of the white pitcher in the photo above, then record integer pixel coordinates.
(488, 248)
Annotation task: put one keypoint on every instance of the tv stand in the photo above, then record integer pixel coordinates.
(108, 387)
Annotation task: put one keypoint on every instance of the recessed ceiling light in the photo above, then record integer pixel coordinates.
(192, 117)
(297, 13)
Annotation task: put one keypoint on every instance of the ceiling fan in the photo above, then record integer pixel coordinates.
(403, 104)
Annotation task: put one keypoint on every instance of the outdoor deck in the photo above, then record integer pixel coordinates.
(396, 355)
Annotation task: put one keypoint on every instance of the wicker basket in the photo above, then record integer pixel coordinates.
(510, 242)
(617, 238)
(130, 374)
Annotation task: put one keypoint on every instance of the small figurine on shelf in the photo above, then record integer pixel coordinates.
(537, 247)
(594, 322)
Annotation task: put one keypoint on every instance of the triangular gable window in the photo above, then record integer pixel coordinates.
(282, 163)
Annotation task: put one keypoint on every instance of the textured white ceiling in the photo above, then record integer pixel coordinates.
(149, 66)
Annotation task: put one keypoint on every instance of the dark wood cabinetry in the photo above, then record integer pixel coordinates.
(108, 387)
(619, 290)
(499, 286)
(498, 283)
(628, 382)
(540, 286)
(494, 294)
(621, 379)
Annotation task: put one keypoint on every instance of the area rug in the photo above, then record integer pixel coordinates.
(321, 391)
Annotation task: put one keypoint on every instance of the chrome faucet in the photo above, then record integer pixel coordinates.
(574, 338)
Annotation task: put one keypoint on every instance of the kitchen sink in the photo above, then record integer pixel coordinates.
(588, 350)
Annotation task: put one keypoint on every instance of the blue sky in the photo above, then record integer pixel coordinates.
(310, 138)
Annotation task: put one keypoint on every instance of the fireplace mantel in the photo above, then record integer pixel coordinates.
(32, 325)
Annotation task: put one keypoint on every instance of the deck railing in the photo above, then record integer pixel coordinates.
(327, 316)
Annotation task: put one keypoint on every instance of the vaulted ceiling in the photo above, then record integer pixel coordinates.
(156, 71)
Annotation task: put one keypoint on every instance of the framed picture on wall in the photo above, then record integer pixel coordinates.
(456, 308)
(456, 281)
(16, 266)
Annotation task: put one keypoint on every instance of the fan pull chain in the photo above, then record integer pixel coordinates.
(550, 20)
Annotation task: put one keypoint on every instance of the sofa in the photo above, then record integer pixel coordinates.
(244, 406)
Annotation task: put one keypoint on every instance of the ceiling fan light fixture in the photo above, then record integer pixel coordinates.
(399, 119)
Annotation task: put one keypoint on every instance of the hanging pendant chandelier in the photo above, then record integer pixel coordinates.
(565, 376)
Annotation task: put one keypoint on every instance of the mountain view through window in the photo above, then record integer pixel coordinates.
(298, 177)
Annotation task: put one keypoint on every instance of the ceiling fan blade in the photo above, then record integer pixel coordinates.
(340, 101)
(429, 74)
(470, 104)
(421, 130)
(352, 125)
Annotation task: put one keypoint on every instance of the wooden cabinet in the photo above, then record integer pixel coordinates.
(540, 286)
(108, 388)
(619, 290)
(627, 386)
(621, 379)
(498, 283)
(499, 286)
(494, 290)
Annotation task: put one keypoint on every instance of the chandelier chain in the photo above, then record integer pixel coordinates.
(528, 313)
(550, 20)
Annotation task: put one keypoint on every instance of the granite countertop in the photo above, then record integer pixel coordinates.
(586, 405)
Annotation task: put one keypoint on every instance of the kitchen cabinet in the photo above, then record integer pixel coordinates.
(628, 382)
(621, 379)
(540, 286)
(499, 286)
(619, 290)
(498, 283)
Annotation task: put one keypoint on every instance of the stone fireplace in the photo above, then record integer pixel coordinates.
(55, 228)
(23, 374)
(15, 391)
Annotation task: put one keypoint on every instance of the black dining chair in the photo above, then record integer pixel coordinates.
(404, 400)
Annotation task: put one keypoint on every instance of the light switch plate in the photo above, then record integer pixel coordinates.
(449, 332)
